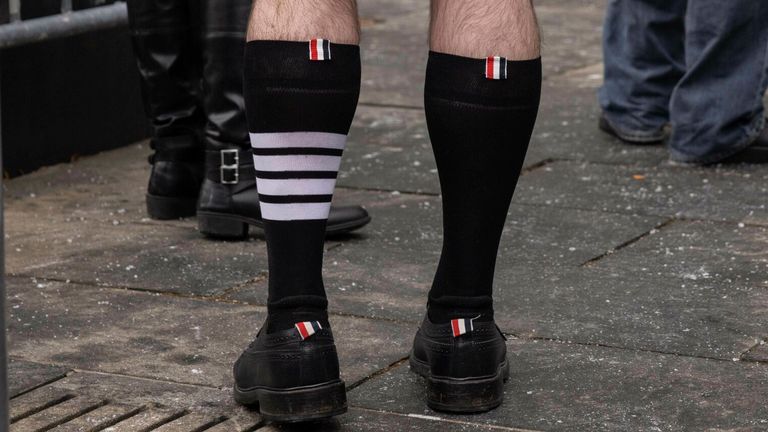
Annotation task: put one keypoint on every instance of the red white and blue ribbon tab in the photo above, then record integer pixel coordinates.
(319, 49)
(308, 328)
(496, 68)
(461, 326)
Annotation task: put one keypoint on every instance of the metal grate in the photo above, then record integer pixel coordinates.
(44, 410)
(99, 403)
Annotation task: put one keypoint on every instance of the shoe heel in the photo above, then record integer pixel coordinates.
(303, 403)
(221, 227)
(466, 395)
(164, 208)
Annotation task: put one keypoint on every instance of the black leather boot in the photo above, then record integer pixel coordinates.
(291, 375)
(229, 201)
(464, 362)
(165, 37)
(177, 172)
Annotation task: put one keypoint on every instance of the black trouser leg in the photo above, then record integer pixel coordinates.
(165, 36)
(166, 42)
(224, 25)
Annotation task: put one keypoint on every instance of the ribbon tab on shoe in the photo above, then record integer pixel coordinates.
(460, 326)
(307, 328)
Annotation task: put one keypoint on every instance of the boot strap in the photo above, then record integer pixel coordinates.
(182, 148)
(229, 166)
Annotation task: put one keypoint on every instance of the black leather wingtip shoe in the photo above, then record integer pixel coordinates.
(291, 375)
(464, 363)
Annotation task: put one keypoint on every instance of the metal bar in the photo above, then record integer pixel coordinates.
(4, 392)
(66, 6)
(59, 26)
(14, 10)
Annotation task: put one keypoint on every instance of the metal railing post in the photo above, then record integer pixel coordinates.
(66, 6)
(62, 25)
(4, 392)
(14, 10)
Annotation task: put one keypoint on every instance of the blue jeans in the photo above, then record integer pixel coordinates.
(699, 65)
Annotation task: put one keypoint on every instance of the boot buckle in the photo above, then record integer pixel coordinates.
(229, 169)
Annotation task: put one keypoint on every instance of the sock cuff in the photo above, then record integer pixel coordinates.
(298, 302)
(286, 91)
(286, 317)
(288, 60)
(469, 302)
(514, 82)
(445, 308)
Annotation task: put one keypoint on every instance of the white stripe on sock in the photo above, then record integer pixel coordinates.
(295, 211)
(298, 139)
(297, 163)
(296, 186)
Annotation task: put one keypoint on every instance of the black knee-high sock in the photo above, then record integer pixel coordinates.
(300, 98)
(480, 115)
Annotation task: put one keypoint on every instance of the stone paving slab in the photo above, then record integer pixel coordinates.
(730, 194)
(24, 376)
(391, 279)
(121, 403)
(166, 337)
(98, 175)
(557, 386)
(149, 257)
(370, 421)
(733, 255)
(394, 60)
(633, 310)
(570, 43)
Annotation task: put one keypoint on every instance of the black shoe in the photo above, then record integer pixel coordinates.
(292, 375)
(177, 172)
(635, 138)
(755, 153)
(229, 201)
(464, 362)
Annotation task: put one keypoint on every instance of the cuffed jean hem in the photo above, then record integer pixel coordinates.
(635, 136)
(753, 133)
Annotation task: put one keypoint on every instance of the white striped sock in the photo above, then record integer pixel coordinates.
(296, 173)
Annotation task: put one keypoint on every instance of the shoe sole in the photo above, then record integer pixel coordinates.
(463, 395)
(229, 226)
(296, 404)
(164, 208)
(606, 127)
